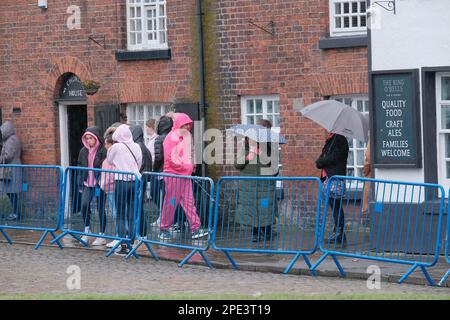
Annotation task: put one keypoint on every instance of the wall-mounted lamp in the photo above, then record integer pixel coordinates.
(42, 4)
(386, 5)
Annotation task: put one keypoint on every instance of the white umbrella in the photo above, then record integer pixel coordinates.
(337, 117)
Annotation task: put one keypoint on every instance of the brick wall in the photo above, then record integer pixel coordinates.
(290, 64)
(37, 49)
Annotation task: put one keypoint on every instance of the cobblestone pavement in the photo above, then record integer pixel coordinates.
(24, 270)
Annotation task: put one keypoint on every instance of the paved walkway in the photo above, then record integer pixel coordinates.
(24, 270)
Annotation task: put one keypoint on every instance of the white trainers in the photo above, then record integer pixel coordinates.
(86, 239)
(112, 244)
(99, 242)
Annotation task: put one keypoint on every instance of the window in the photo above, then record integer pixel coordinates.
(348, 17)
(264, 107)
(357, 148)
(146, 24)
(138, 114)
(254, 108)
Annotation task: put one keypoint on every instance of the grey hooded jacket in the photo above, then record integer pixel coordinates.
(11, 154)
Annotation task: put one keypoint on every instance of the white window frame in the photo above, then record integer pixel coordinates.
(160, 25)
(149, 111)
(336, 31)
(265, 114)
(354, 144)
(440, 134)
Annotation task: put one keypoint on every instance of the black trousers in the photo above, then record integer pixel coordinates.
(124, 194)
(338, 215)
(88, 196)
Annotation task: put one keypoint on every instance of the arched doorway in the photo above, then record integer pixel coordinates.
(72, 118)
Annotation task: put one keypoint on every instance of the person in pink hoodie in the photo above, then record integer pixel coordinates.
(126, 156)
(91, 156)
(178, 161)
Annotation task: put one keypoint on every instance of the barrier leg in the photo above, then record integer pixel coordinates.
(208, 263)
(444, 278)
(62, 235)
(131, 249)
(189, 256)
(134, 250)
(231, 260)
(41, 240)
(110, 252)
(289, 267)
(406, 275)
(338, 266)
(319, 261)
(152, 251)
(427, 276)
(313, 273)
(57, 242)
(6, 236)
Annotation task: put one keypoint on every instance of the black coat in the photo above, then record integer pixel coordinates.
(334, 156)
(164, 127)
(138, 137)
(100, 156)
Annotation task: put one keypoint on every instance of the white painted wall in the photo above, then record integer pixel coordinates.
(417, 36)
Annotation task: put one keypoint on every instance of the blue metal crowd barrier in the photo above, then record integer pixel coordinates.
(174, 211)
(274, 215)
(101, 204)
(447, 244)
(380, 220)
(30, 199)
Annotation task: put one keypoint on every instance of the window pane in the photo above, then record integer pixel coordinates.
(447, 145)
(360, 106)
(276, 121)
(346, 7)
(360, 157)
(269, 107)
(259, 106)
(446, 88)
(346, 22)
(350, 172)
(338, 8)
(354, 7)
(350, 142)
(359, 172)
(445, 117)
(363, 20)
(250, 120)
(338, 23)
(133, 39)
(350, 159)
(447, 164)
(138, 25)
(250, 108)
(139, 38)
(362, 5)
(355, 21)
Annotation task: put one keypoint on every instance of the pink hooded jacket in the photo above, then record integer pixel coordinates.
(178, 148)
(122, 157)
(91, 156)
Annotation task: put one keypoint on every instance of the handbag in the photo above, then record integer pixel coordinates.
(337, 188)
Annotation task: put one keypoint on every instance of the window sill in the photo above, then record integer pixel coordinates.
(343, 42)
(160, 54)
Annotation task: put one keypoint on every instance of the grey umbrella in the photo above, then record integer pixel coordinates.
(339, 118)
(257, 133)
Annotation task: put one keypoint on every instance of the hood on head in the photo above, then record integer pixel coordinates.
(181, 120)
(165, 124)
(93, 131)
(137, 133)
(123, 134)
(7, 130)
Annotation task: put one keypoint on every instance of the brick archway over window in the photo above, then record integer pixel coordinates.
(60, 67)
(144, 92)
(342, 84)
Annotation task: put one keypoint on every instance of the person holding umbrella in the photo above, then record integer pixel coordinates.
(333, 161)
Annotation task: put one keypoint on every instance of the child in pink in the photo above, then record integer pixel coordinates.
(178, 161)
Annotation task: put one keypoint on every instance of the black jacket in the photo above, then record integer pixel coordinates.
(100, 156)
(334, 156)
(165, 125)
(138, 137)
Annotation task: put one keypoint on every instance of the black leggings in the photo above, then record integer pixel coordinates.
(88, 195)
(338, 215)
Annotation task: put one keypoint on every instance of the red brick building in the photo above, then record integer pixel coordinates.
(262, 59)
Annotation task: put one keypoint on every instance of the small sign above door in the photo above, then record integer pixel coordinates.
(72, 89)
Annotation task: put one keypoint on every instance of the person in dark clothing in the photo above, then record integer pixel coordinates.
(164, 127)
(92, 155)
(138, 137)
(333, 161)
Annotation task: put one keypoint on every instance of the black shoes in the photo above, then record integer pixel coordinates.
(337, 238)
